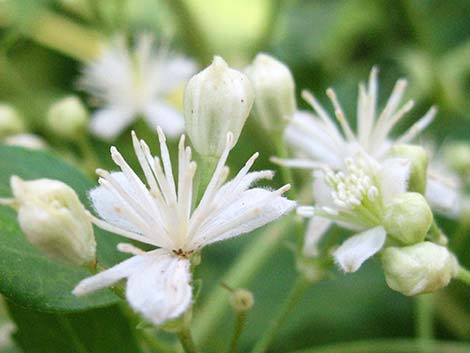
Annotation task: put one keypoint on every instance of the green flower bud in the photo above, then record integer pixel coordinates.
(419, 158)
(11, 121)
(68, 118)
(54, 220)
(420, 268)
(216, 100)
(408, 218)
(457, 156)
(242, 300)
(274, 87)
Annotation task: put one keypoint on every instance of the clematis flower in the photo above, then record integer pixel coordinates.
(136, 82)
(355, 198)
(159, 213)
(316, 136)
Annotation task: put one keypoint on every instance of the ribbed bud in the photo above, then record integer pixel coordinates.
(274, 85)
(419, 158)
(408, 218)
(420, 268)
(242, 300)
(216, 100)
(68, 118)
(11, 121)
(54, 220)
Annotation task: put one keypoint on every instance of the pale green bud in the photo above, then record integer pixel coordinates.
(54, 220)
(11, 121)
(419, 159)
(242, 300)
(457, 156)
(216, 100)
(408, 218)
(420, 268)
(274, 85)
(68, 118)
(30, 141)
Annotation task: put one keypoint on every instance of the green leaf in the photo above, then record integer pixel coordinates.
(96, 331)
(27, 277)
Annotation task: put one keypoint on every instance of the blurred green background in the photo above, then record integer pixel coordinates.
(325, 43)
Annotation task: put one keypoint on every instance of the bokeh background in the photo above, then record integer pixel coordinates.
(326, 44)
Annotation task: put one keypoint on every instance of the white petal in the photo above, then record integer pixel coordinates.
(110, 122)
(253, 209)
(176, 72)
(163, 115)
(393, 177)
(322, 191)
(358, 248)
(443, 195)
(108, 277)
(109, 207)
(317, 227)
(161, 289)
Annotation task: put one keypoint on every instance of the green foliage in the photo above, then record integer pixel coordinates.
(27, 277)
(73, 333)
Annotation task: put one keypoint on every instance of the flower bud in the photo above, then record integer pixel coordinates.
(68, 118)
(242, 300)
(54, 220)
(457, 156)
(419, 159)
(30, 141)
(420, 268)
(408, 218)
(216, 100)
(11, 121)
(274, 87)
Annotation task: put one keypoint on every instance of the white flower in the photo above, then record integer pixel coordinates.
(160, 214)
(355, 198)
(318, 139)
(133, 83)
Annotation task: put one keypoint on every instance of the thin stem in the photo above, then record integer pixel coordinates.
(453, 315)
(90, 159)
(155, 345)
(238, 276)
(268, 31)
(61, 34)
(205, 169)
(191, 30)
(389, 346)
(186, 340)
(463, 275)
(424, 321)
(298, 290)
(240, 321)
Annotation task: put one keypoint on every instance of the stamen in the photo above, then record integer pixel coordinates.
(340, 115)
(419, 126)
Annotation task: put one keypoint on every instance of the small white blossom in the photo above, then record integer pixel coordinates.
(136, 82)
(159, 213)
(355, 198)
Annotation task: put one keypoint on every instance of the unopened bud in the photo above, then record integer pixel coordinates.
(68, 118)
(54, 220)
(419, 159)
(11, 121)
(30, 141)
(274, 87)
(408, 218)
(216, 100)
(420, 268)
(457, 156)
(242, 300)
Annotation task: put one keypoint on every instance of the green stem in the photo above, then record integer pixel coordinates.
(389, 346)
(463, 275)
(156, 346)
(424, 321)
(205, 169)
(240, 322)
(298, 290)
(238, 276)
(453, 315)
(186, 340)
(90, 159)
(191, 30)
(59, 33)
(437, 235)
